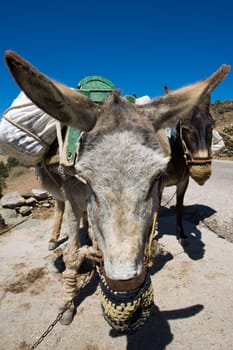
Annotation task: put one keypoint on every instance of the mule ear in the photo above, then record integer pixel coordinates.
(64, 104)
(166, 90)
(167, 110)
(203, 105)
(163, 141)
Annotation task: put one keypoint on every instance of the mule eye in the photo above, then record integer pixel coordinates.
(186, 129)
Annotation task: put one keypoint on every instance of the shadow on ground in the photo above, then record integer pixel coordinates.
(192, 216)
(156, 333)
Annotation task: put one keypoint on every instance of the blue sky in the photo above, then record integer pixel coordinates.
(138, 45)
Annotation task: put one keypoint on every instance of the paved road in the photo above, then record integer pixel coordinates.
(212, 202)
(218, 190)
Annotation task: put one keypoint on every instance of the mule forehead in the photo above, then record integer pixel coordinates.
(200, 117)
(122, 146)
(118, 113)
(200, 122)
(201, 126)
(121, 159)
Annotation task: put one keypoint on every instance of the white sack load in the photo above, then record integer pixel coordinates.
(26, 132)
(217, 142)
(143, 100)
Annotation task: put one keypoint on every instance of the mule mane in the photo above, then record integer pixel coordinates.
(200, 115)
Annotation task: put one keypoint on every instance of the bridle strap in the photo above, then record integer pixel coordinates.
(199, 161)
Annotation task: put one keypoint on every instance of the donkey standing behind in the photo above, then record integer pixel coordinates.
(122, 162)
(190, 143)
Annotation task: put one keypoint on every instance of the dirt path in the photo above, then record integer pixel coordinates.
(192, 293)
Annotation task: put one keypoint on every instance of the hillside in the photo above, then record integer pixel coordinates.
(23, 183)
(222, 112)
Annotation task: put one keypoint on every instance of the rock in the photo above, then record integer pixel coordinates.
(31, 201)
(221, 223)
(2, 223)
(8, 213)
(25, 210)
(40, 194)
(46, 205)
(27, 195)
(12, 200)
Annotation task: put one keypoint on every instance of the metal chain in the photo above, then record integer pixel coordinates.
(60, 314)
(53, 324)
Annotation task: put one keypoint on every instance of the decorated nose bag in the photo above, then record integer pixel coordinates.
(126, 311)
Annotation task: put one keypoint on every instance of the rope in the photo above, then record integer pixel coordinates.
(59, 138)
(151, 236)
(44, 166)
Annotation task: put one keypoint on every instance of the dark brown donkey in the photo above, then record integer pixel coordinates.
(190, 143)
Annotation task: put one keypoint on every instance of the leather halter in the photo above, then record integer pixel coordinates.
(189, 160)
